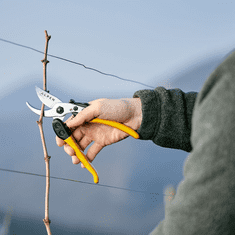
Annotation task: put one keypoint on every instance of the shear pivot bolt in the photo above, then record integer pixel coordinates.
(75, 108)
(60, 110)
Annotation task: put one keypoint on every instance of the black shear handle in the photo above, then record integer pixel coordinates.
(61, 129)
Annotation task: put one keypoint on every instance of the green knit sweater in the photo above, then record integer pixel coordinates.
(203, 124)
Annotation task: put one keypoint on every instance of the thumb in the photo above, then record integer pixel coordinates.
(86, 115)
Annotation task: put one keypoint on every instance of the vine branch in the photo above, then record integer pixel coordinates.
(46, 157)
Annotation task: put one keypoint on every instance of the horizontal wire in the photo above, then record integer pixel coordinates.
(74, 62)
(77, 181)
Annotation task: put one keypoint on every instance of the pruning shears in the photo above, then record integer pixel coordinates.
(59, 110)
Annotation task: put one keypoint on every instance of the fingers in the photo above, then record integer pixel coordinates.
(91, 153)
(71, 152)
(82, 145)
(75, 160)
(85, 115)
(59, 141)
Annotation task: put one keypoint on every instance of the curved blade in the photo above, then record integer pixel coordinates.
(37, 111)
(47, 113)
(46, 98)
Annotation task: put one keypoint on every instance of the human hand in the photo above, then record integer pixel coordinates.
(127, 111)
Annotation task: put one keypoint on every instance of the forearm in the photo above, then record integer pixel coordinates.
(167, 117)
(136, 103)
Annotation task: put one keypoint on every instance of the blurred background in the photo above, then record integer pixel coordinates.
(174, 44)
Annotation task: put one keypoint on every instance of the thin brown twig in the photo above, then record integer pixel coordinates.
(46, 157)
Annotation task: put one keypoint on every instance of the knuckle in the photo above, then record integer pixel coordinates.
(69, 150)
(100, 106)
(59, 141)
(75, 160)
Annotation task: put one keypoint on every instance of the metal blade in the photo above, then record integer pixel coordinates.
(47, 113)
(46, 98)
(37, 111)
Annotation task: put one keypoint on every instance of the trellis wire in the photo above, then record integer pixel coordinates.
(74, 62)
(77, 181)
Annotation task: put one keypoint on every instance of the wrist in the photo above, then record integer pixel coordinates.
(137, 105)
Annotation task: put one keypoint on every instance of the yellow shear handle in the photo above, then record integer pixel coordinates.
(80, 155)
(117, 125)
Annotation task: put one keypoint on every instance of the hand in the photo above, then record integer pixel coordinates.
(127, 111)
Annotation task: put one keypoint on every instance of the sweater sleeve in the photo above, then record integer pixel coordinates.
(204, 202)
(167, 117)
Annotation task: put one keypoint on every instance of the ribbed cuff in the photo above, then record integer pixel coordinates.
(150, 113)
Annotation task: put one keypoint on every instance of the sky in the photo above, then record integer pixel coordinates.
(137, 40)
(176, 43)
